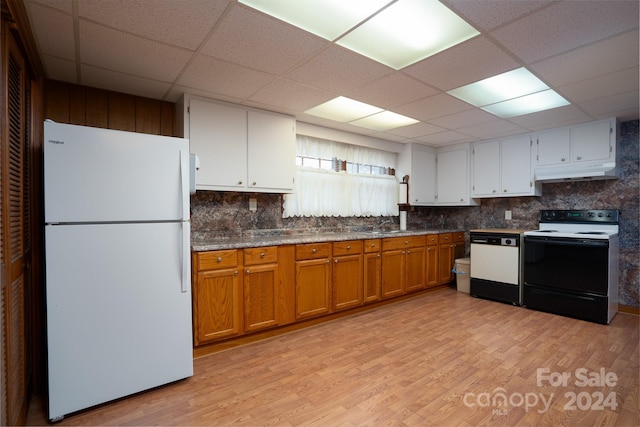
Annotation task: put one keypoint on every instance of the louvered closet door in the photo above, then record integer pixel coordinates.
(15, 230)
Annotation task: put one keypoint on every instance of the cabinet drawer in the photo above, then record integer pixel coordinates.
(371, 245)
(393, 243)
(444, 238)
(458, 237)
(432, 239)
(313, 251)
(214, 260)
(349, 247)
(266, 255)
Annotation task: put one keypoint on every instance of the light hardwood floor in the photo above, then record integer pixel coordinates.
(439, 359)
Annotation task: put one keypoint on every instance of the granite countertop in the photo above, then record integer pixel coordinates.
(252, 240)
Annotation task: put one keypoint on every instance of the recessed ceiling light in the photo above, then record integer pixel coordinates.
(407, 32)
(510, 94)
(395, 33)
(384, 120)
(346, 110)
(343, 109)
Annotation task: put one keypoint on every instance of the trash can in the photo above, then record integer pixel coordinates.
(462, 269)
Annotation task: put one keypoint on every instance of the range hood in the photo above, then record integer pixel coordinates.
(578, 173)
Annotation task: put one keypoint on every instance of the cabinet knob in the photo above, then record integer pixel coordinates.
(493, 191)
(335, 260)
(219, 259)
(373, 245)
(579, 158)
(562, 159)
(248, 271)
(408, 252)
(314, 250)
(462, 199)
(406, 242)
(239, 182)
(254, 183)
(235, 273)
(505, 190)
(262, 255)
(327, 261)
(349, 247)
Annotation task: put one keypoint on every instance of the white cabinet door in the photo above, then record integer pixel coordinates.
(515, 165)
(591, 142)
(554, 147)
(218, 136)
(271, 151)
(486, 168)
(453, 177)
(422, 181)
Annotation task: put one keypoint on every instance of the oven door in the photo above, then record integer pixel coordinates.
(577, 265)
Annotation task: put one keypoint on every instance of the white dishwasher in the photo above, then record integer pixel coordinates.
(496, 264)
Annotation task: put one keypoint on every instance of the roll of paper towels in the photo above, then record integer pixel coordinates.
(402, 193)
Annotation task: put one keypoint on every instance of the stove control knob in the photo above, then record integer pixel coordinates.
(600, 214)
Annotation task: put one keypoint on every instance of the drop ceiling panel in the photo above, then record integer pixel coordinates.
(182, 23)
(490, 14)
(59, 69)
(464, 119)
(444, 138)
(602, 86)
(465, 63)
(491, 129)
(391, 91)
(434, 106)
(603, 107)
(248, 38)
(126, 53)
(125, 83)
(285, 93)
(54, 31)
(65, 6)
(567, 25)
(617, 53)
(222, 77)
(338, 70)
(416, 130)
(556, 117)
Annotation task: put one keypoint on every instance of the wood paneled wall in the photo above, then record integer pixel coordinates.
(81, 105)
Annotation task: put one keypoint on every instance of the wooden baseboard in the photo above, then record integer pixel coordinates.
(216, 347)
(627, 309)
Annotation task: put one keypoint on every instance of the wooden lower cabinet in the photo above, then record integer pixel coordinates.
(261, 288)
(217, 296)
(451, 247)
(403, 265)
(372, 270)
(313, 280)
(347, 285)
(431, 259)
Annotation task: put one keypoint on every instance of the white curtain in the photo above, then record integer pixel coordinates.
(309, 146)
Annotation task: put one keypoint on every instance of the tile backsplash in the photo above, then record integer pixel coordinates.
(228, 212)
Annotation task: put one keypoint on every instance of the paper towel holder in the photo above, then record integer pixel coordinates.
(404, 194)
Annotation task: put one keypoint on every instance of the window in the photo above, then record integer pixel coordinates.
(337, 179)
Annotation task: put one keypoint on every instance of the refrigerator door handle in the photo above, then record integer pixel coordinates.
(184, 184)
(186, 266)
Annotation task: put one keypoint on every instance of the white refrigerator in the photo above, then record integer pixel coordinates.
(117, 248)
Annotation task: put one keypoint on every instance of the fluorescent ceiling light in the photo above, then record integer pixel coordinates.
(527, 104)
(395, 33)
(407, 32)
(384, 121)
(328, 19)
(346, 110)
(510, 94)
(342, 109)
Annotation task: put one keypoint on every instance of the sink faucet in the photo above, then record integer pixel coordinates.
(386, 221)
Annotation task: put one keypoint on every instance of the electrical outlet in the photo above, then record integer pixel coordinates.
(253, 205)
(507, 214)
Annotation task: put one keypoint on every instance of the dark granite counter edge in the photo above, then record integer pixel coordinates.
(241, 242)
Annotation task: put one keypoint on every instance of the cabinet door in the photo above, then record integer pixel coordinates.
(486, 168)
(453, 175)
(432, 278)
(445, 263)
(218, 135)
(312, 287)
(347, 282)
(554, 147)
(422, 187)
(372, 264)
(515, 164)
(218, 305)
(271, 151)
(393, 273)
(260, 296)
(415, 269)
(591, 142)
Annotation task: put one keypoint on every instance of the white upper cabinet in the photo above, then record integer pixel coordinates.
(239, 149)
(419, 162)
(454, 176)
(504, 168)
(586, 151)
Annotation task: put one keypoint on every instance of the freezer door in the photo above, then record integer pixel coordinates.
(118, 316)
(102, 175)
